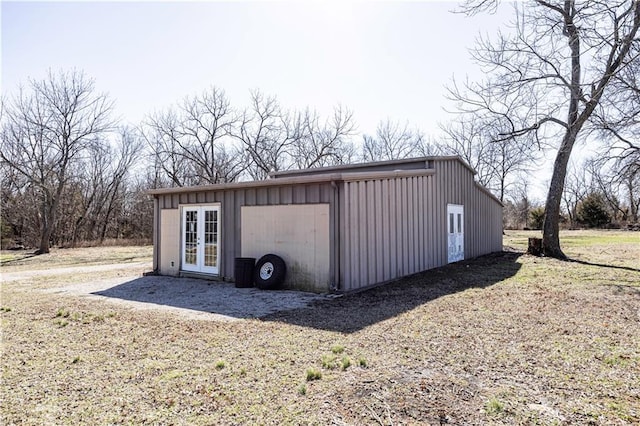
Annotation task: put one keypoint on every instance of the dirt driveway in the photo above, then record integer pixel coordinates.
(193, 298)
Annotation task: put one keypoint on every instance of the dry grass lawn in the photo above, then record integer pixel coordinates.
(504, 339)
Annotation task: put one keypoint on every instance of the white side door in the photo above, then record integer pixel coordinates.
(201, 239)
(455, 228)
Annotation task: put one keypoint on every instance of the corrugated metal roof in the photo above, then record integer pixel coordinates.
(348, 172)
(296, 180)
(389, 165)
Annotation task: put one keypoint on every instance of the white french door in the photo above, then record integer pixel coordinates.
(455, 224)
(201, 239)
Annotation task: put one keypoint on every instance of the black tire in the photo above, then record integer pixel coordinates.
(269, 272)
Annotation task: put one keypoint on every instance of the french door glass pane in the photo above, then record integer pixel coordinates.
(191, 238)
(211, 238)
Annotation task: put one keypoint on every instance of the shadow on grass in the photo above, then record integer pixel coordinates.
(346, 314)
(21, 257)
(354, 312)
(604, 265)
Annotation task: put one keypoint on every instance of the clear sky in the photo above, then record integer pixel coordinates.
(380, 59)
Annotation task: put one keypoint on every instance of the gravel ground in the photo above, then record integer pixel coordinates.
(188, 297)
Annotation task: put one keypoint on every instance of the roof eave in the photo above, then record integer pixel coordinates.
(295, 180)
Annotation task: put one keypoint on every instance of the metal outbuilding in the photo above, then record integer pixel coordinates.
(338, 229)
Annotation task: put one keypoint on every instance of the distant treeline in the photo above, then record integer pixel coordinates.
(72, 174)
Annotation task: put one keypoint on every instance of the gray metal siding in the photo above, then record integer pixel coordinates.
(482, 212)
(381, 228)
(232, 199)
(398, 226)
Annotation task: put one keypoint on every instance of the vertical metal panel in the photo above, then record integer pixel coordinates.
(441, 223)
(369, 217)
(234, 230)
(420, 189)
(286, 195)
(156, 233)
(415, 228)
(334, 221)
(347, 236)
(313, 194)
(250, 196)
(363, 258)
(354, 237)
(343, 234)
(393, 228)
(404, 212)
(262, 196)
(414, 250)
(385, 230)
(400, 229)
(470, 222)
(378, 228)
(325, 193)
(230, 244)
(299, 194)
(273, 195)
(396, 227)
(428, 223)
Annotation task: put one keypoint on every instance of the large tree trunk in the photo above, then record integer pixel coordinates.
(44, 240)
(47, 229)
(551, 227)
(49, 213)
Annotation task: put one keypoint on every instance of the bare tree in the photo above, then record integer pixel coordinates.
(619, 121)
(205, 137)
(121, 158)
(192, 142)
(134, 220)
(46, 131)
(577, 186)
(205, 140)
(466, 137)
(560, 62)
(161, 132)
(619, 184)
(18, 212)
(631, 182)
(518, 205)
(499, 162)
(392, 141)
(323, 143)
(617, 174)
(268, 133)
